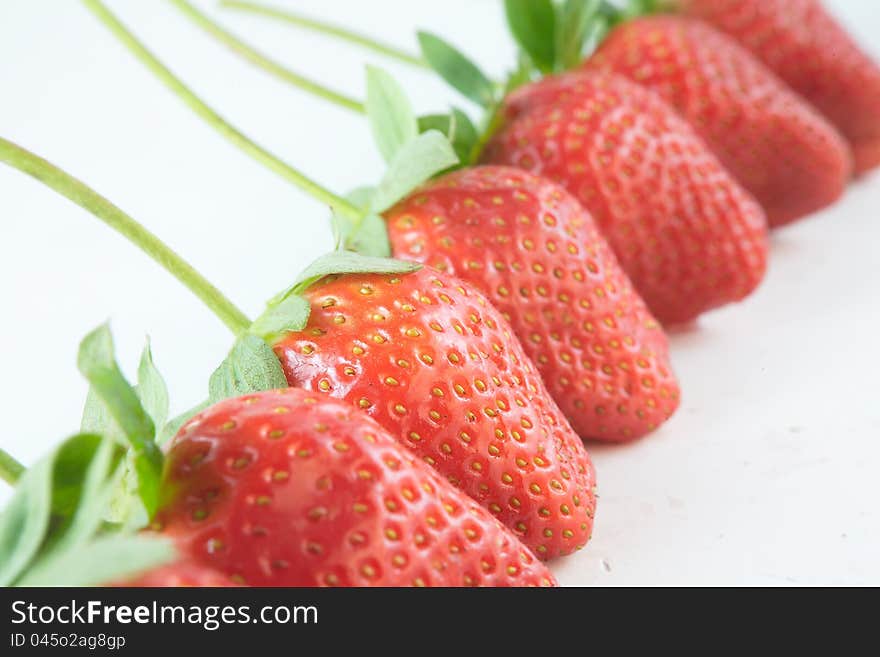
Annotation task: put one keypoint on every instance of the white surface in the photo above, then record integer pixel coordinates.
(768, 473)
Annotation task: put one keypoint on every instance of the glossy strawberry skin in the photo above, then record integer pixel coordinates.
(813, 54)
(538, 256)
(282, 488)
(778, 147)
(436, 365)
(185, 573)
(688, 235)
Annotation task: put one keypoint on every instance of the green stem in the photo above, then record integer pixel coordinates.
(78, 192)
(326, 28)
(262, 61)
(10, 469)
(339, 204)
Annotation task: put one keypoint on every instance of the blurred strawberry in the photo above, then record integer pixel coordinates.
(690, 238)
(774, 143)
(806, 47)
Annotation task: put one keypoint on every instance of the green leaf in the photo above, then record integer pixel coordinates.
(104, 560)
(421, 158)
(575, 23)
(58, 502)
(347, 262)
(289, 311)
(97, 364)
(173, 426)
(125, 508)
(83, 483)
(370, 237)
(454, 67)
(151, 388)
(47, 530)
(343, 226)
(251, 366)
(390, 114)
(97, 420)
(533, 25)
(289, 314)
(457, 127)
(25, 520)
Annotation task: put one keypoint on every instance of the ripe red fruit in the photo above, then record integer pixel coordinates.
(180, 574)
(436, 365)
(281, 488)
(538, 256)
(775, 144)
(806, 47)
(689, 237)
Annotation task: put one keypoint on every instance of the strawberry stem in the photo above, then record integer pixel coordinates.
(78, 192)
(254, 56)
(326, 28)
(10, 469)
(244, 143)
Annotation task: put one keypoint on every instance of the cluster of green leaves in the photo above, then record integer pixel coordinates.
(414, 151)
(463, 75)
(555, 35)
(252, 365)
(73, 516)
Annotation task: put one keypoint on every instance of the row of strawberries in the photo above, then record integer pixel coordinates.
(673, 146)
(432, 433)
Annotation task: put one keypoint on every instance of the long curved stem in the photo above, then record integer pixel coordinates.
(262, 61)
(243, 142)
(78, 192)
(10, 469)
(325, 28)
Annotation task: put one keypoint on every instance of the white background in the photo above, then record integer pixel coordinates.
(767, 475)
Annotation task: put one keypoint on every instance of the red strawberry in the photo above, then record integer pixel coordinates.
(800, 42)
(440, 368)
(539, 258)
(688, 235)
(282, 488)
(179, 574)
(774, 143)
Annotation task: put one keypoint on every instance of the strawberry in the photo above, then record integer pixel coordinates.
(436, 365)
(179, 574)
(539, 258)
(290, 488)
(685, 232)
(803, 44)
(775, 144)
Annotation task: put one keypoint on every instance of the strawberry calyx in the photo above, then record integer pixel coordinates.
(65, 525)
(288, 311)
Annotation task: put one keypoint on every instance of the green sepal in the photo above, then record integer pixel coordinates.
(103, 560)
(251, 366)
(458, 128)
(422, 157)
(97, 364)
(457, 69)
(576, 22)
(53, 529)
(282, 306)
(533, 25)
(389, 112)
